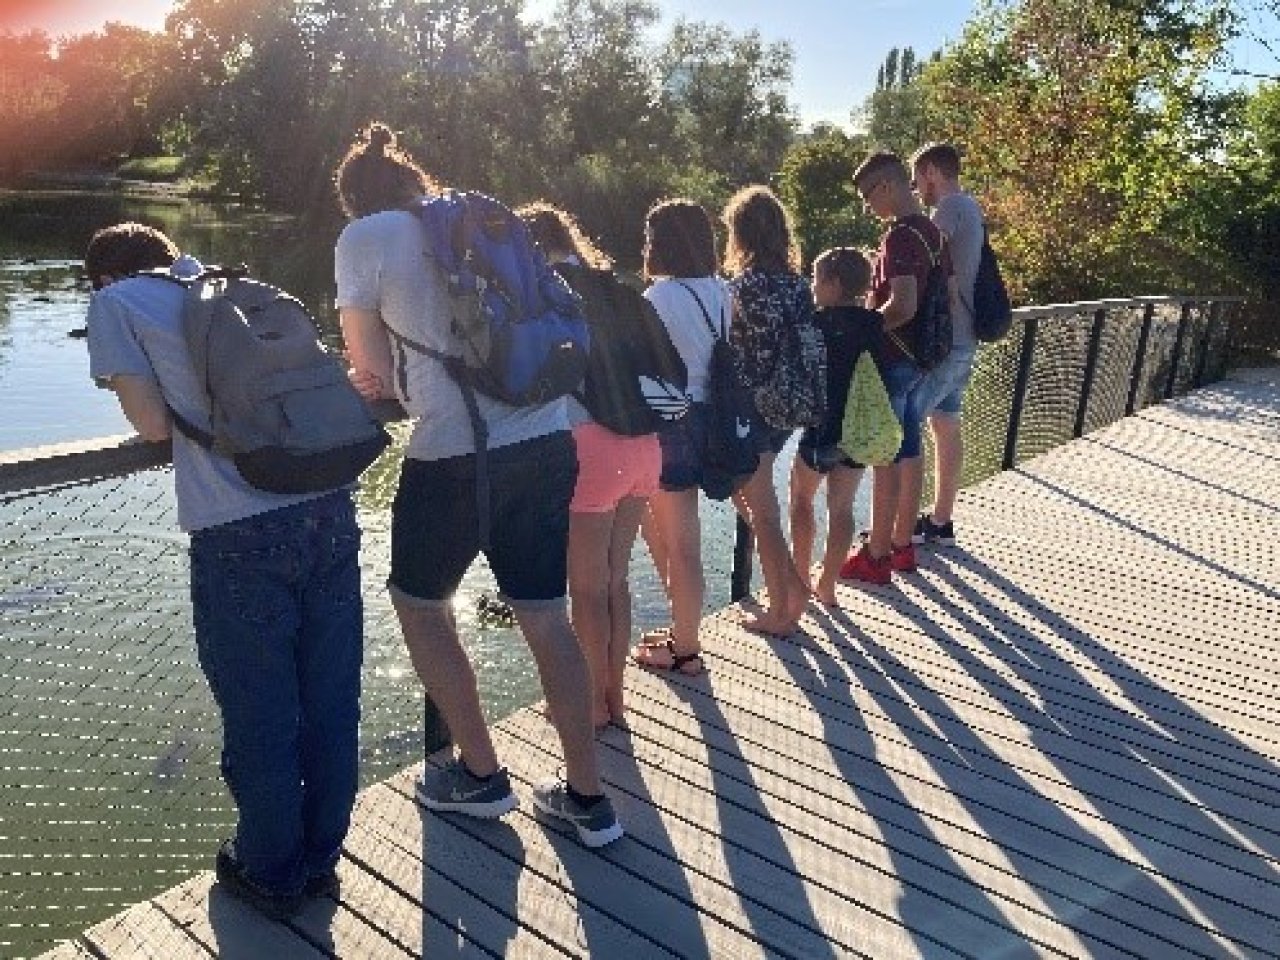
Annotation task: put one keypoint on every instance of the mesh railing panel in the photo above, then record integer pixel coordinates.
(1053, 393)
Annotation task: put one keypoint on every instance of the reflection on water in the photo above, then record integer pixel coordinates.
(109, 784)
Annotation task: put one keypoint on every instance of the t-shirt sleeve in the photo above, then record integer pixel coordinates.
(949, 218)
(901, 254)
(114, 347)
(357, 269)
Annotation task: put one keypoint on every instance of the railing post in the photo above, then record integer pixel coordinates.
(1020, 391)
(1140, 359)
(1090, 369)
(743, 544)
(1202, 358)
(1183, 320)
(435, 732)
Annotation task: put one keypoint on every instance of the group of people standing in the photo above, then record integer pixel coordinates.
(275, 580)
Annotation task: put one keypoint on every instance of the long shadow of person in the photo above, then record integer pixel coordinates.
(1197, 851)
(1096, 887)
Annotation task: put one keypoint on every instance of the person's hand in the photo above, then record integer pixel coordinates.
(368, 384)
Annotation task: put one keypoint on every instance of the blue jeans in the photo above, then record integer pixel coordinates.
(278, 619)
(942, 389)
(900, 379)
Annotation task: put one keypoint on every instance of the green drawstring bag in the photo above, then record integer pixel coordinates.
(870, 433)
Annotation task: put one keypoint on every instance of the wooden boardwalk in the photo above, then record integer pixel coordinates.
(1060, 739)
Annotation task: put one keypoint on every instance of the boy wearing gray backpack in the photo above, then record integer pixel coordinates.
(275, 579)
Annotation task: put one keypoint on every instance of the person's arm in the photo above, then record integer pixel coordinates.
(143, 406)
(369, 353)
(901, 305)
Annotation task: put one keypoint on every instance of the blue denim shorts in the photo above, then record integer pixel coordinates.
(435, 525)
(942, 388)
(684, 445)
(899, 380)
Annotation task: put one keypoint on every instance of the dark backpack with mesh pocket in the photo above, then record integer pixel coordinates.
(927, 338)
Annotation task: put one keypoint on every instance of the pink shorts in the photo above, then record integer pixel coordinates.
(613, 467)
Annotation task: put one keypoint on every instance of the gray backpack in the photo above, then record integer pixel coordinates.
(281, 406)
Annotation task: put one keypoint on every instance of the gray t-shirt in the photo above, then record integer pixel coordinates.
(381, 265)
(135, 328)
(960, 218)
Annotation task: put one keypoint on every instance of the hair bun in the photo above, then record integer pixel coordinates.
(380, 137)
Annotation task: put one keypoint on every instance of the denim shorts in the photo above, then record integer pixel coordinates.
(942, 389)
(684, 444)
(435, 523)
(823, 458)
(771, 439)
(899, 380)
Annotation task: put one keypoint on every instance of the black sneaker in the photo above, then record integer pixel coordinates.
(323, 885)
(230, 872)
(927, 531)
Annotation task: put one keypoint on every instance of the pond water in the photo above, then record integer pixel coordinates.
(108, 771)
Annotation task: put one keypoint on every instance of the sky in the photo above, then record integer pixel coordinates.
(838, 44)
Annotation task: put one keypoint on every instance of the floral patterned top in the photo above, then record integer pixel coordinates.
(763, 305)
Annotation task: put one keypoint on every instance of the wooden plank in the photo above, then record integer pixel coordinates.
(499, 872)
(1062, 859)
(224, 925)
(891, 732)
(69, 950)
(143, 933)
(790, 873)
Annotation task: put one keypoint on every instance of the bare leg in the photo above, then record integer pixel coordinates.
(566, 682)
(884, 507)
(442, 665)
(842, 484)
(675, 515)
(948, 448)
(804, 485)
(788, 592)
(911, 483)
(625, 524)
(589, 539)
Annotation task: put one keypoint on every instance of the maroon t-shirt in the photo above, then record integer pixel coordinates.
(902, 254)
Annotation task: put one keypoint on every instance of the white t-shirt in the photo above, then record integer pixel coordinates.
(381, 264)
(960, 218)
(686, 325)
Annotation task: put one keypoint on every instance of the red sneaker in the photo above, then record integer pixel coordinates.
(865, 568)
(903, 559)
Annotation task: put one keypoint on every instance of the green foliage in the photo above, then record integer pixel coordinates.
(159, 169)
(1088, 124)
(894, 116)
(816, 184)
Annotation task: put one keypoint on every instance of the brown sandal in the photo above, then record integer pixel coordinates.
(678, 660)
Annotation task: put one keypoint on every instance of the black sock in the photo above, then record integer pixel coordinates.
(474, 775)
(586, 801)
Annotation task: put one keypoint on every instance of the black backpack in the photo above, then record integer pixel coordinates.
(731, 455)
(793, 394)
(281, 406)
(636, 380)
(992, 311)
(929, 332)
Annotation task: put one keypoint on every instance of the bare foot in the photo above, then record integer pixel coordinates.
(825, 593)
(772, 624)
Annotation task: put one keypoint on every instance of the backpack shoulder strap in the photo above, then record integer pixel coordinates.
(722, 333)
(934, 258)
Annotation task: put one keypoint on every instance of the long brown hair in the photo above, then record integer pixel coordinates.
(760, 233)
(556, 231)
(376, 174)
(679, 241)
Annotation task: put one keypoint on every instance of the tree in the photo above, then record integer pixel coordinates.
(815, 183)
(728, 95)
(1086, 123)
(894, 115)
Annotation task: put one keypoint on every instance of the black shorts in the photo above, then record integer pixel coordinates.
(823, 457)
(435, 523)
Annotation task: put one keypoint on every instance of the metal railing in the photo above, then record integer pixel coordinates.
(111, 738)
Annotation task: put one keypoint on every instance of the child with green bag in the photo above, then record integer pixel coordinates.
(840, 279)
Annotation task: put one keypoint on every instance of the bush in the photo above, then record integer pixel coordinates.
(159, 169)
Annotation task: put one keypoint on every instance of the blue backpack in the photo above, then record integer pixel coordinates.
(520, 331)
